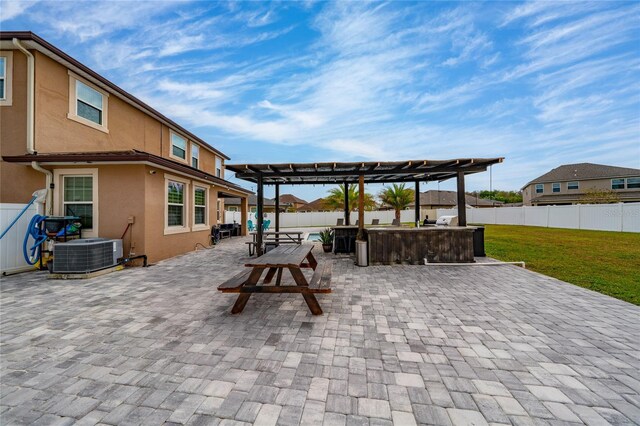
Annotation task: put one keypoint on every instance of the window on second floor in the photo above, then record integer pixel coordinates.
(6, 71)
(195, 155)
(539, 188)
(178, 146)
(218, 167)
(555, 187)
(633, 182)
(617, 183)
(573, 185)
(87, 103)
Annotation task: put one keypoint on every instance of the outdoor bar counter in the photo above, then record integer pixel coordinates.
(441, 244)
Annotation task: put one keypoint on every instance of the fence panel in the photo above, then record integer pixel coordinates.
(11, 258)
(621, 217)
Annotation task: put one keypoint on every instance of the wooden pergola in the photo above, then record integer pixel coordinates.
(415, 171)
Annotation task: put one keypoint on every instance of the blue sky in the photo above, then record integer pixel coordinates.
(542, 84)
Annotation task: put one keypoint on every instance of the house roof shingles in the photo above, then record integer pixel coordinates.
(291, 199)
(584, 171)
(450, 198)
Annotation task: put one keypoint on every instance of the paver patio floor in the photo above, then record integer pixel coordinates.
(402, 344)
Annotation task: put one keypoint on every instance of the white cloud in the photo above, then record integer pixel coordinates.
(11, 9)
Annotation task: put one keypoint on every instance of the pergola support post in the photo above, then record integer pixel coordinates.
(277, 207)
(346, 204)
(462, 208)
(260, 218)
(244, 216)
(361, 207)
(417, 203)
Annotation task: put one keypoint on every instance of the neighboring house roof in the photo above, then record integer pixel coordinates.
(450, 198)
(253, 200)
(291, 199)
(33, 41)
(119, 157)
(315, 205)
(584, 171)
(625, 196)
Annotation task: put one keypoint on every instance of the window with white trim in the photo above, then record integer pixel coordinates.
(76, 194)
(87, 103)
(178, 146)
(195, 155)
(573, 185)
(199, 206)
(6, 73)
(617, 183)
(176, 204)
(539, 188)
(218, 167)
(555, 187)
(633, 182)
(232, 209)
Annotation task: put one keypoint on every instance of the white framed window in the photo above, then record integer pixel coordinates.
(178, 147)
(633, 182)
(573, 185)
(617, 183)
(555, 187)
(195, 155)
(76, 194)
(218, 167)
(88, 104)
(232, 209)
(539, 188)
(200, 208)
(253, 209)
(6, 75)
(176, 205)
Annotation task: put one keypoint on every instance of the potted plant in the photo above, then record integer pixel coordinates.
(326, 238)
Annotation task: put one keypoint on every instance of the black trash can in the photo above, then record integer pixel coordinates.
(478, 242)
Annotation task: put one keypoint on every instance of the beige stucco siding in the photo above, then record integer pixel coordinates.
(17, 182)
(529, 192)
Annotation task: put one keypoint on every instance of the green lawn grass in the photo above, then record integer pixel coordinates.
(606, 262)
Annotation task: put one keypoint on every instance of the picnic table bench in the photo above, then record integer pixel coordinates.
(291, 257)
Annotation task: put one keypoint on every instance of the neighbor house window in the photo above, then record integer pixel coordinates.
(87, 103)
(232, 209)
(76, 193)
(253, 209)
(218, 167)
(6, 70)
(539, 188)
(617, 183)
(200, 206)
(572, 185)
(178, 146)
(555, 187)
(633, 182)
(195, 155)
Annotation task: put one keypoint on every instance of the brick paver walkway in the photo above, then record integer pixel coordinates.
(401, 344)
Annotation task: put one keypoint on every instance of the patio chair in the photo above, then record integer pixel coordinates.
(250, 225)
(396, 222)
(357, 222)
(340, 222)
(266, 224)
(375, 221)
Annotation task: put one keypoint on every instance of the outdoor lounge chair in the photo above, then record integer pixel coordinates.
(396, 222)
(339, 222)
(250, 225)
(266, 224)
(375, 221)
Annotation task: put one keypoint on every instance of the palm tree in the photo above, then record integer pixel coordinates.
(335, 199)
(397, 196)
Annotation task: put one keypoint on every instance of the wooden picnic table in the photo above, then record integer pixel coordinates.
(275, 238)
(291, 257)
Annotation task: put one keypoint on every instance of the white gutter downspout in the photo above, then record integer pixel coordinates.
(30, 123)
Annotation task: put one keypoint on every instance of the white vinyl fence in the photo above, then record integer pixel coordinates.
(297, 220)
(11, 258)
(622, 217)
